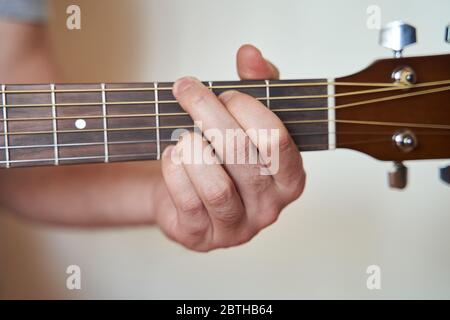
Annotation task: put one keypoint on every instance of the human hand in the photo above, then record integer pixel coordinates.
(216, 204)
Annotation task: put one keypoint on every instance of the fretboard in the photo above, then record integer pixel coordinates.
(87, 123)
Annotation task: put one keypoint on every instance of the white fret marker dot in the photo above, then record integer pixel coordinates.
(80, 124)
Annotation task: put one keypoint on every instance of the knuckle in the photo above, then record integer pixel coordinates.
(230, 219)
(196, 244)
(300, 186)
(220, 194)
(284, 141)
(199, 96)
(240, 238)
(296, 185)
(197, 229)
(245, 237)
(258, 182)
(270, 215)
(191, 206)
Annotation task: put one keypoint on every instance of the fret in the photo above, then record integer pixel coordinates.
(105, 123)
(118, 148)
(310, 136)
(331, 116)
(55, 127)
(210, 85)
(40, 155)
(257, 92)
(80, 144)
(158, 139)
(182, 122)
(268, 94)
(5, 127)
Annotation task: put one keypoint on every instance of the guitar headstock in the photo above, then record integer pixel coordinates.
(419, 112)
(402, 110)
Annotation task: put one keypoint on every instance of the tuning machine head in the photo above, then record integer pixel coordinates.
(398, 178)
(396, 36)
(447, 34)
(444, 173)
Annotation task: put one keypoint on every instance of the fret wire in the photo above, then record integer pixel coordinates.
(105, 123)
(268, 94)
(55, 129)
(392, 88)
(237, 86)
(158, 145)
(331, 116)
(5, 124)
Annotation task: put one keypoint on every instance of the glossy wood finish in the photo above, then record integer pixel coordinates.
(432, 108)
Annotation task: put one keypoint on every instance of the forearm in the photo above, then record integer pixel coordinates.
(27, 55)
(110, 194)
(200, 206)
(87, 195)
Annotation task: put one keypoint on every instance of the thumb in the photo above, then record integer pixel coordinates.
(251, 65)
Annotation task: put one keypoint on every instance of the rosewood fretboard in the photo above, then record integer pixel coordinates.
(86, 123)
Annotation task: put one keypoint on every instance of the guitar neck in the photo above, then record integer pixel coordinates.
(89, 123)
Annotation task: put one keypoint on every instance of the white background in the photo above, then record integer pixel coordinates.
(347, 218)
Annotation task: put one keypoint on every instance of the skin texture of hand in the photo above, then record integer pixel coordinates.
(216, 205)
(228, 210)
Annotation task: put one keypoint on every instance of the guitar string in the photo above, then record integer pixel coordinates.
(394, 87)
(231, 86)
(358, 122)
(272, 98)
(348, 121)
(286, 109)
(136, 155)
(124, 142)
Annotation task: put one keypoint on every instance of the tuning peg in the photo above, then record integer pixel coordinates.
(398, 178)
(447, 34)
(445, 174)
(396, 36)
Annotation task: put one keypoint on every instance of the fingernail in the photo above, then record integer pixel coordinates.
(182, 85)
(227, 95)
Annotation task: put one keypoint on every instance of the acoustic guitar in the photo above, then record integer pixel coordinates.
(394, 110)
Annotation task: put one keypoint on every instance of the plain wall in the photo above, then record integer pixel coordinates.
(347, 218)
